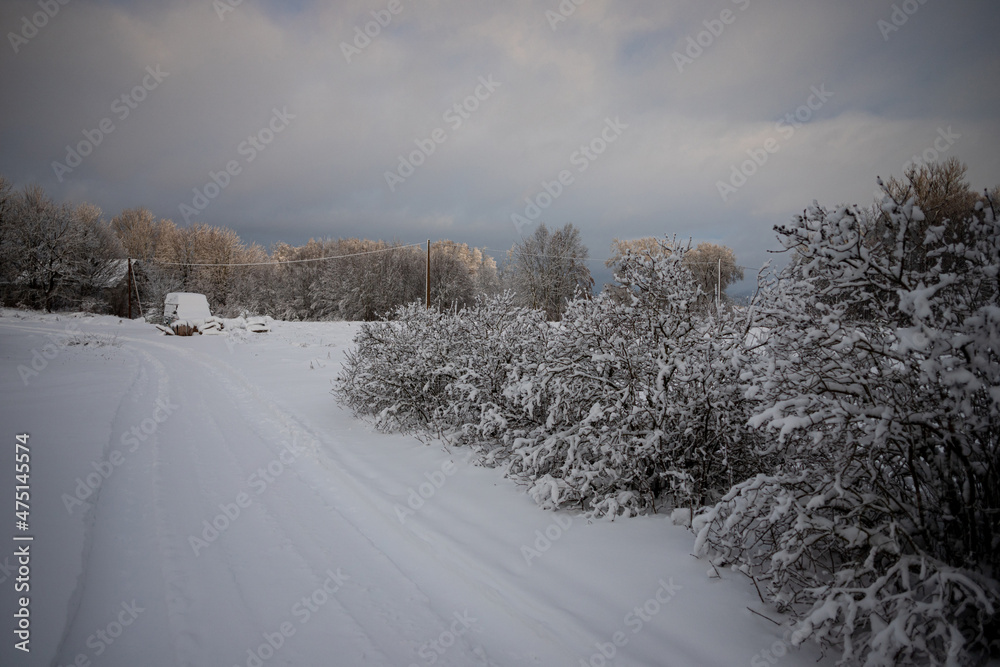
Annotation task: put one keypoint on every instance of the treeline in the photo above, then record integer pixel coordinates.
(837, 441)
(60, 257)
(372, 278)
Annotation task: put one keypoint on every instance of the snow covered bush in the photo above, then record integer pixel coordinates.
(633, 402)
(439, 371)
(393, 374)
(486, 342)
(879, 528)
(635, 399)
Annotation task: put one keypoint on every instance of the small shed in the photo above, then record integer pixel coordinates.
(113, 287)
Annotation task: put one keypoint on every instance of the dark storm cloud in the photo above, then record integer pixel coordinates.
(692, 112)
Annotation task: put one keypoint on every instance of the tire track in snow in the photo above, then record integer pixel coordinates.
(531, 610)
(359, 615)
(510, 602)
(121, 507)
(78, 623)
(177, 599)
(90, 516)
(234, 560)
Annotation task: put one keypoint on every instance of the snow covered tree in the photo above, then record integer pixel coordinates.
(9, 246)
(648, 247)
(98, 260)
(942, 193)
(138, 232)
(43, 233)
(300, 292)
(177, 254)
(359, 279)
(548, 269)
(53, 255)
(373, 278)
(459, 274)
(251, 287)
(46, 242)
(714, 268)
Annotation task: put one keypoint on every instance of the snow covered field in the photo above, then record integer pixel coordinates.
(204, 501)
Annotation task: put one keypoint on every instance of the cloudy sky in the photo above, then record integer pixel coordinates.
(416, 119)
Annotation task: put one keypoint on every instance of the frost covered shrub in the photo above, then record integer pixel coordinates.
(438, 370)
(394, 372)
(634, 399)
(880, 387)
(485, 342)
(633, 402)
(582, 400)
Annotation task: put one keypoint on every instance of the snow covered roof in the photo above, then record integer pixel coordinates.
(186, 306)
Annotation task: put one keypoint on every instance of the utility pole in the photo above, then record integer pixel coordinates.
(427, 299)
(130, 288)
(718, 288)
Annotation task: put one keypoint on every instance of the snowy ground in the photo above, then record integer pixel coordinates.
(204, 501)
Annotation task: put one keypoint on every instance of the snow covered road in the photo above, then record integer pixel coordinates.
(205, 502)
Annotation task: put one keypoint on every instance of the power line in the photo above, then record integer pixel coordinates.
(293, 261)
